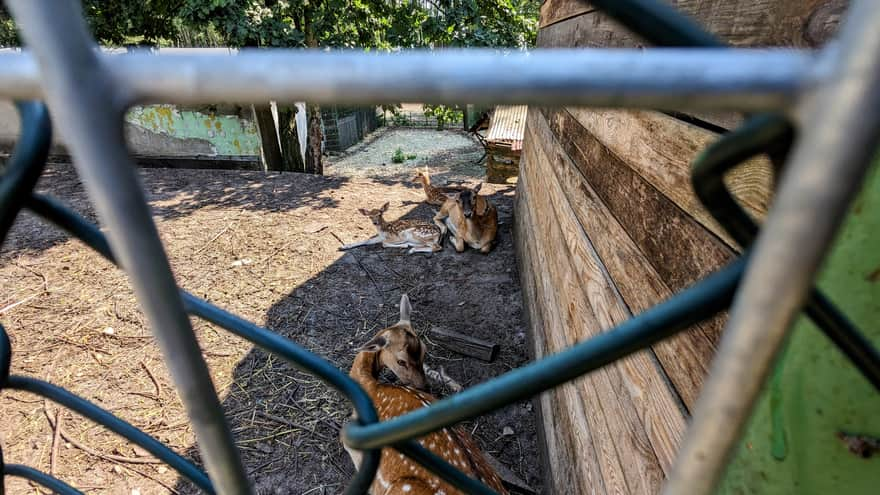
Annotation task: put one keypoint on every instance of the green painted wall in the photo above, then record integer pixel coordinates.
(791, 445)
(227, 134)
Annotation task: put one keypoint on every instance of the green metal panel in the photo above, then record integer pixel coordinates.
(792, 443)
(227, 134)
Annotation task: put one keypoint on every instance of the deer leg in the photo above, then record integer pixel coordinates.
(368, 242)
(458, 242)
(420, 249)
(438, 221)
(398, 244)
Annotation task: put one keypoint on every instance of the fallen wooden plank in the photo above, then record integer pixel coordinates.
(464, 344)
(510, 480)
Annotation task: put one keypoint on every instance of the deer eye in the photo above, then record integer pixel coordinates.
(401, 362)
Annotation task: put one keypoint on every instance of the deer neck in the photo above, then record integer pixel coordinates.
(481, 207)
(426, 183)
(365, 369)
(382, 228)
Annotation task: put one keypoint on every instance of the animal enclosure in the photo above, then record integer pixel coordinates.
(575, 282)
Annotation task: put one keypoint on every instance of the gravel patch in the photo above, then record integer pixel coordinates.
(449, 155)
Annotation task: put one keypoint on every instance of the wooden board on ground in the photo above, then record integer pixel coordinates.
(464, 344)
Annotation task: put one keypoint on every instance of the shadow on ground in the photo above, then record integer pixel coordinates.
(289, 434)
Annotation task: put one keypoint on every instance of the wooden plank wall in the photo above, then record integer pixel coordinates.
(607, 226)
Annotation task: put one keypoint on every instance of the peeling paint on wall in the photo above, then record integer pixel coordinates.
(227, 134)
(167, 130)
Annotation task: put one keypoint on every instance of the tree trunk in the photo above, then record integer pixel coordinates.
(314, 163)
(269, 146)
(290, 147)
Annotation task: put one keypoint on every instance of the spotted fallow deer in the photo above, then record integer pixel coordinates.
(435, 195)
(470, 218)
(419, 236)
(400, 350)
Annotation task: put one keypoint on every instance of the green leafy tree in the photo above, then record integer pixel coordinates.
(115, 22)
(444, 114)
(483, 23)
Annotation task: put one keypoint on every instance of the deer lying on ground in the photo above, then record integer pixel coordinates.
(470, 218)
(399, 349)
(418, 235)
(435, 195)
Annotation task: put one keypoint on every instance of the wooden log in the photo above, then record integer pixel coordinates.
(685, 357)
(464, 344)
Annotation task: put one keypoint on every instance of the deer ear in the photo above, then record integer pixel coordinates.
(477, 189)
(384, 207)
(363, 212)
(376, 344)
(405, 309)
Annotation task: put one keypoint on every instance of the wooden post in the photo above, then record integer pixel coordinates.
(270, 148)
(290, 147)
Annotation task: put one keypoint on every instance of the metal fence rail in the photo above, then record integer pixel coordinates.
(704, 78)
(65, 69)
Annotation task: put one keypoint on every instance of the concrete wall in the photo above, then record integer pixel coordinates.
(166, 130)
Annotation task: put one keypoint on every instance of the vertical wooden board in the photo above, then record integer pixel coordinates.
(607, 467)
(676, 245)
(661, 150)
(643, 418)
(555, 465)
(573, 433)
(621, 466)
(625, 455)
(656, 403)
(553, 11)
(743, 23)
(685, 357)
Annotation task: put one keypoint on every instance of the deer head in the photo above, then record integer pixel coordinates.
(400, 349)
(375, 215)
(467, 200)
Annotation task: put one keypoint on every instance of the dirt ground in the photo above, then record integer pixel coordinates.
(263, 246)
